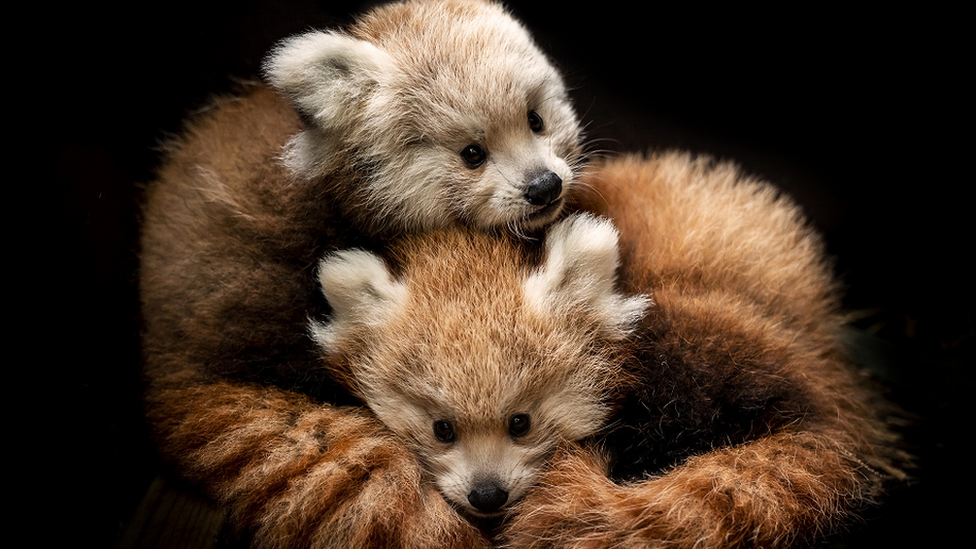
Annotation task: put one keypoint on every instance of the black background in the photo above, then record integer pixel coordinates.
(858, 114)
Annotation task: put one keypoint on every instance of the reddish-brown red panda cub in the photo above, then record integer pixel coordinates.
(479, 360)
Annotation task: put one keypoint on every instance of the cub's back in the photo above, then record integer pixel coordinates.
(229, 244)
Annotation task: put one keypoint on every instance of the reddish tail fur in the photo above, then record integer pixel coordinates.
(749, 429)
(301, 474)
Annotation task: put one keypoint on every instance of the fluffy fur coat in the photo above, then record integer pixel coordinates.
(747, 427)
(743, 425)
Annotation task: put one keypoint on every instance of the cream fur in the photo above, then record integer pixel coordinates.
(360, 289)
(580, 272)
(326, 73)
(410, 87)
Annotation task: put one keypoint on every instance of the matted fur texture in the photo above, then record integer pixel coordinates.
(747, 427)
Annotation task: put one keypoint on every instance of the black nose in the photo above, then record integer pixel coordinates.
(543, 189)
(487, 497)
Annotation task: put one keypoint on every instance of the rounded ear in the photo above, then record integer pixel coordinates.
(579, 272)
(361, 291)
(326, 74)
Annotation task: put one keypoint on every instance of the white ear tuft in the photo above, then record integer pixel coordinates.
(360, 290)
(580, 272)
(326, 74)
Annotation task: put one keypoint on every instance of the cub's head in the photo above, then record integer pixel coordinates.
(433, 113)
(479, 354)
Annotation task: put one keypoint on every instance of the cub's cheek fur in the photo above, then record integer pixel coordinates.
(428, 131)
(470, 334)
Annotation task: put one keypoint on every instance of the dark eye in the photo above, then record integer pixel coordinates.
(473, 155)
(535, 122)
(518, 426)
(444, 431)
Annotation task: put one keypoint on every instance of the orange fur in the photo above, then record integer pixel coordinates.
(227, 283)
(295, 473)
(470, 334)
(745, 320)
(743, 425)
(752, 428)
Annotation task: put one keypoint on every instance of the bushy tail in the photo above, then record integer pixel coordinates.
(296, 474)
(772, 492)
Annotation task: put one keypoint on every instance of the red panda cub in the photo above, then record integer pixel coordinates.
(429, 113)
(480, 361)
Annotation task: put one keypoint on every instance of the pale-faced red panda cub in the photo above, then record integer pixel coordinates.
(424, 114)
(428, 113)
(481, 361)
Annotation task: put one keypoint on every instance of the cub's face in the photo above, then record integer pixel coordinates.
(479, 360)
(448, 112)
(493, 145)
(484, 395)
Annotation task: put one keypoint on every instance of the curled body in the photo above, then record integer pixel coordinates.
(736, 418)
(746, 426)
